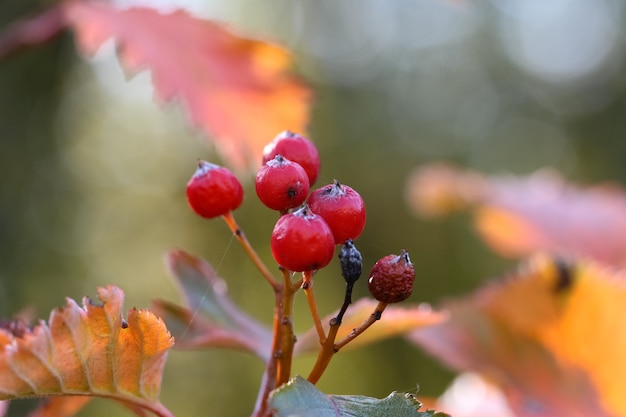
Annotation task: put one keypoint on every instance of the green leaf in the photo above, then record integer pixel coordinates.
(302, 399)
(209, 318)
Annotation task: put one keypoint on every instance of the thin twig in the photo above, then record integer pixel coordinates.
(307, 286)
(288, 339)
(329, 348)
(241, 237)
(268, 382)
(373, 318)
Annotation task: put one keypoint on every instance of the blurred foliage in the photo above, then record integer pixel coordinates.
(94, 172)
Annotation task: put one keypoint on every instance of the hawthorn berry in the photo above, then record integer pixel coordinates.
(391, 278)
(213, 190)
(302, 241)
(296, 148)
(281, 184)
(342, 208)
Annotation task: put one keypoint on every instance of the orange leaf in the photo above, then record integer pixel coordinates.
(439, 189)
(89, 351)
(552, 336)
(395, 321)
(61, 406)
(525, 215)
(238, 90)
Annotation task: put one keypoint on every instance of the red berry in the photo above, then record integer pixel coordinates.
(342, 208)
(282, 184)
(391, 278)
(296, 148)
(302, 241)
(213, 190)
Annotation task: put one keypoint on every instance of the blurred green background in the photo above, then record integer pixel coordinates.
(93, 171)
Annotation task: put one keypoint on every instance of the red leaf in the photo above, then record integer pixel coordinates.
(552, 336)
(238, 90)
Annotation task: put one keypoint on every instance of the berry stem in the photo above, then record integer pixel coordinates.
(307, 286)
(346, 302)
(325, 354)
(328, 345)
(270, 376)
(286, 335)
(373, 318)
(243, 240)
(329, 348)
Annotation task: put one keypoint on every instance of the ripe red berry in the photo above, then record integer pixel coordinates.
(342, 208)
(296, 148)
(391, 278)
(213, 190)
(302, 241)
(282, 184)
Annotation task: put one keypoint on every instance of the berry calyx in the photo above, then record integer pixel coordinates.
(342, 208)
(391, 279)
(296, 148)
(351, 262)
(213, 190)
(281, 184)
(302, 241)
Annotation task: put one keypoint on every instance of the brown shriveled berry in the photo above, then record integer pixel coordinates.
(391, 278)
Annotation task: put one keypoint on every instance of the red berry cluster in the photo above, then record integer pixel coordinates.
(304, 239)
(310, 225)
(311, 222)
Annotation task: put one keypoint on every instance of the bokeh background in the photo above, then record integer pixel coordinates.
(93, 170)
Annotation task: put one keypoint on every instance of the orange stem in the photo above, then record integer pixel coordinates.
(269, 378)
(307, 286)
(329, 347)
(325, 354)
(287, 334)
(373, 318)
(241, 237)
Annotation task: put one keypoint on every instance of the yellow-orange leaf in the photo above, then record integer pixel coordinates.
(552, 335)
(88, 350)
(238, 90)
(395, 321)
